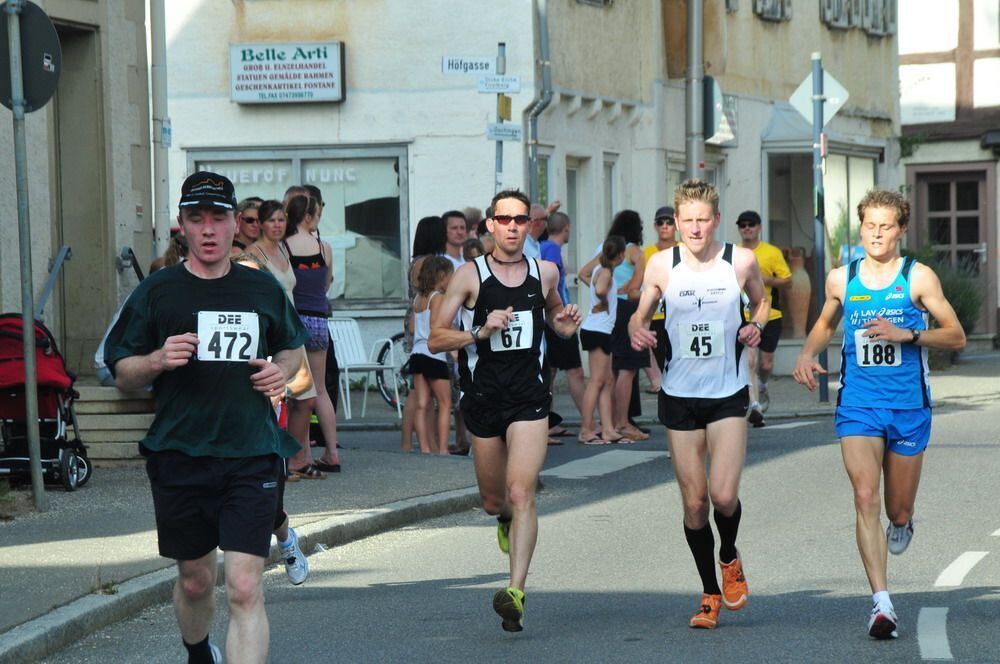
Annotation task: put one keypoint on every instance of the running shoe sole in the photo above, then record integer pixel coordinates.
(503, 536)
(883, 628)
(741, 586)
(510, 610)
(708, 614)
(898, 546)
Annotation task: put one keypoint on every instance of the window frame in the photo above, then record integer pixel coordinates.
(299, 154)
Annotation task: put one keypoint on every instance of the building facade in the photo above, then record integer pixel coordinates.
(406, 137)
(88, 174)
(949, 68)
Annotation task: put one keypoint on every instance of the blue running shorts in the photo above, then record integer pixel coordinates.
(905, 431)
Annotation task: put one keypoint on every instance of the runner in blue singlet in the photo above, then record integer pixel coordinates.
(883, 414)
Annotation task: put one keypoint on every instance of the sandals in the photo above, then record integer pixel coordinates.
(593, 440)
(310, 472)
(326, 467)
(559, 432)
(633, 433)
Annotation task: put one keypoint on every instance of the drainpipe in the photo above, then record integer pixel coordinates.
(694, 101)
(161, 125)
(542, 102)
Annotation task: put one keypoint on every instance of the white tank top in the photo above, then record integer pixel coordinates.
(703, 316)
(422, 330)
(603, 321)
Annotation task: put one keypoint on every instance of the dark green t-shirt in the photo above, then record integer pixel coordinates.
(209, 408)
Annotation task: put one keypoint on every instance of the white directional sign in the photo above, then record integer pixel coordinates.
(500, 84)
(835, 96)
(503, 132)
(459, 64)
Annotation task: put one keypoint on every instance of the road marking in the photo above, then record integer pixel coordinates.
(932, 633)
(789, 425)
(956, 571)
(602, 464)
(996, 534)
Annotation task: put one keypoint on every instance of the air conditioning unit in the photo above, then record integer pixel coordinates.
(773, 10)
(834, 13)
(732, 6)
(856, 13)
(880, 17)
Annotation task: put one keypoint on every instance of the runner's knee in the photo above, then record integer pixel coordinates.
(195, 582)
(725, 500)
(866, 499)
(521, 495)
(244, 589)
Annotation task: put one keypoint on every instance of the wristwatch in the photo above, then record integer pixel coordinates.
(916, 336)
(475, 333)
(760, 328)
(288, 393)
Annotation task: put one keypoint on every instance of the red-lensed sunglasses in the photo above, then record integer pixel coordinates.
(504, 219)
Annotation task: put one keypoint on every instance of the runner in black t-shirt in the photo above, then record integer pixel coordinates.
(506, 299)
(200, 333)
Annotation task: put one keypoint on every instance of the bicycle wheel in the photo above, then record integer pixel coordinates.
(384, 378)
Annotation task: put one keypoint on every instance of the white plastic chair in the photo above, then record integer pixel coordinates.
(350, 351)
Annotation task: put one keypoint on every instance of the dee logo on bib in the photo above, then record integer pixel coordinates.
(227, 336)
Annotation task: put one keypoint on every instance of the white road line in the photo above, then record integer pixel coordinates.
(956, 571)
(932, 633)
(602, 464)
(996, 534)
(789, 425)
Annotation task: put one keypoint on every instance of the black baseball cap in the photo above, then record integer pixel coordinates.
(207, 189)
(665, 211)
(749, 215)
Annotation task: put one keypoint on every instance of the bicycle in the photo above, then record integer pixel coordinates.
(384, 377)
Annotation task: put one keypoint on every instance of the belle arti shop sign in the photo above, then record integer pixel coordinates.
(286, 73)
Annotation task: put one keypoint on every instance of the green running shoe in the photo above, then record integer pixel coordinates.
(509, 605)
(503, 535)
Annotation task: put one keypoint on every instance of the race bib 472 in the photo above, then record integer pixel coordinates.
(227, 336)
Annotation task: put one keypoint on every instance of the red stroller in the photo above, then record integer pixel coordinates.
(63, 460)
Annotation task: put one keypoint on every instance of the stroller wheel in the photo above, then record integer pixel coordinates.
(85, 469)
(69, 470)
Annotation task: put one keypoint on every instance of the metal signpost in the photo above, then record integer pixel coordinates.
(34, 70)
(818, 99)
(501, 70)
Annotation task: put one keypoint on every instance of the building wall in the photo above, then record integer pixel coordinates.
(114, 217)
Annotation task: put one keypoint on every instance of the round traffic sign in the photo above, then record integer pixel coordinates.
(41, 56)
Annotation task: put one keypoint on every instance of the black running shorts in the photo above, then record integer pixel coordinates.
(591, 340)
(489, 421)
(206, 502)
(623, 356)
(769, 336)
(562, 353)
(693, 413)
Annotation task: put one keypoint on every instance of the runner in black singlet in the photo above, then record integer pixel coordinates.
(506, 300)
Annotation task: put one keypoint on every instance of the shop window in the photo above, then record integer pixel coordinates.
(364, 215)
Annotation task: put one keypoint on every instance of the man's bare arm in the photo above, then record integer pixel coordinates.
(444, 336)
(137, 371)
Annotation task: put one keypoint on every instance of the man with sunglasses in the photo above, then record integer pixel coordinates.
(247, 224)
(666, 237)
(776, 275)
(506, 299)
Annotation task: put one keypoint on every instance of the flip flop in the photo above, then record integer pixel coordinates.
(593, 440)
(310, 472)
(327, 467)
(563, 431)
(553, 441)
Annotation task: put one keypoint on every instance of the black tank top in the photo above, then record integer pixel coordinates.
(508, 369)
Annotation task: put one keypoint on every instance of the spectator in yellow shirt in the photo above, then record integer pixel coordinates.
(776, 276)
(666, 237)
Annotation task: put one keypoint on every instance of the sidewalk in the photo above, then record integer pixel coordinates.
(91, 559)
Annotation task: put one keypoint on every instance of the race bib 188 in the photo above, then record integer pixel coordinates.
(702, 341)
(518, 335)
(876, 352)
(227, 336)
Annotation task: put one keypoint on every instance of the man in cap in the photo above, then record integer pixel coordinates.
(776, 275)
(200, 332)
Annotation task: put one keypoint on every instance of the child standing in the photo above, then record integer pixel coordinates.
(595, 337)
(430, 370)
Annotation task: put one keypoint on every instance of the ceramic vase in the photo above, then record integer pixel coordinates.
(798, 292)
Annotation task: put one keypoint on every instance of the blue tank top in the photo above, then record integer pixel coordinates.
(310, 283)
(623, 273)
(875, 373)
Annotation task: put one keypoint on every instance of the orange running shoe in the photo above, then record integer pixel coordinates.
(708, 613)
(734, 584)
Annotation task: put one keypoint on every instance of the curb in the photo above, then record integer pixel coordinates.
(47, 634)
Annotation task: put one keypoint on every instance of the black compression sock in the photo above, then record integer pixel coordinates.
(199, 653)
(702, 545)
(728, 527)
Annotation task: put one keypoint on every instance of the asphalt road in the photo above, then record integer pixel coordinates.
(612, 579)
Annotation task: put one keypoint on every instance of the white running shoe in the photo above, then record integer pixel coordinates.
(755, 415)
(216, 653)
(296, 565)
(765, 398)
(899, 536)
(882, 623)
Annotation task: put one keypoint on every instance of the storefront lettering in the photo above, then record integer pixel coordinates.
(328, 175)
(276, 54)
(263, 174)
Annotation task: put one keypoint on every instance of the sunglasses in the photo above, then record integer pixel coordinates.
(504, 219)
(249, 220)
(669, 221)
(745, 224)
